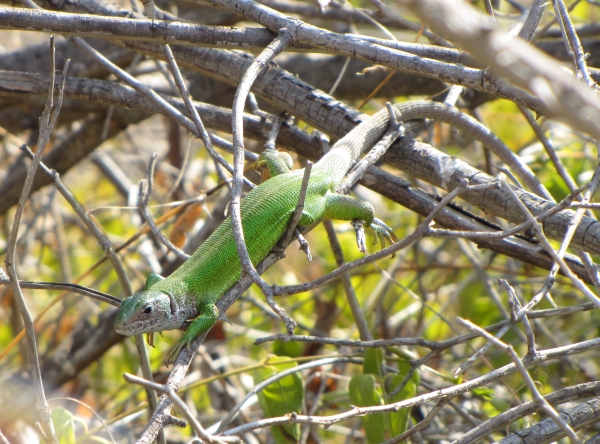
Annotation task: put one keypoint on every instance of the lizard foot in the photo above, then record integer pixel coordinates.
(174, 351)
(209, 314)
(380, 231)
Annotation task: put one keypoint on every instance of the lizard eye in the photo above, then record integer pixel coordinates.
(148, 309)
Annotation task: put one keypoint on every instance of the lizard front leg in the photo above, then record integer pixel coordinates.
(277, 162)
(209, 314)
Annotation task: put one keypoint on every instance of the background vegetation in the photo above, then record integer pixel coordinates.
(102, 144)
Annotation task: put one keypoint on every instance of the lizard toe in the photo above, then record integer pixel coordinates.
(174, 351)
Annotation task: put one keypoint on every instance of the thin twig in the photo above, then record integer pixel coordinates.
(287, 237)
(380, 148)
(353, 302)
(166, 390)
(259, 387)
(549, 249)
(560, 168)
(417, 234)
(73, 288)
(536, 11)
(421, 425)
(488, 8)
(573, 44)
(98, 417)
(278, 45)
(185, 95)
(565, 203)
(274, 132)
(150, 94)
(409, 342)
(453, 95)
(516, 306)
(530, 384)
(47, 120)
(340, 76)
(564, 395)
(112, 257)
(145, 191)
(323, 376)
(573, 224)
(388, 12)
(467, 250)
(554, 21)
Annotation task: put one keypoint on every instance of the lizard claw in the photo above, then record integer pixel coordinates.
(382, 233)
(359, 229)
(174, 351)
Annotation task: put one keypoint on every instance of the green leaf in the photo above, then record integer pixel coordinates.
(64, 425)
(399, 420)
(373, 360)
(500, 405)
(363, 394)
(281, 397)
(291, 349)
(485, 392)
(404, 368)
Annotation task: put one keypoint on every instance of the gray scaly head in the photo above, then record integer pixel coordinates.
(147, 311)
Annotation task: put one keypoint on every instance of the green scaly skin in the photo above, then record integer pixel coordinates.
(195, 287)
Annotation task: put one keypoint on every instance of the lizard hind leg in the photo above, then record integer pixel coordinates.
(342, 207)
(209, 314)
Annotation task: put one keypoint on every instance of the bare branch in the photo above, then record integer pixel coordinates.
(278, 45)
(545, 405)
(166, 390)
(47, 121)
(562, 396)
(564, 97)
(145, 191)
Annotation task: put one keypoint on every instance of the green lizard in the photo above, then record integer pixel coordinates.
(194, 288)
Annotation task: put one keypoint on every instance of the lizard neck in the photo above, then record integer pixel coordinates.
(186, 308)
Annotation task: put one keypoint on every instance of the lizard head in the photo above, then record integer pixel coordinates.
(146, 312)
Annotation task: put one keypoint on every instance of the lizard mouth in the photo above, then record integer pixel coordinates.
(126, 327)
(122, 329)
